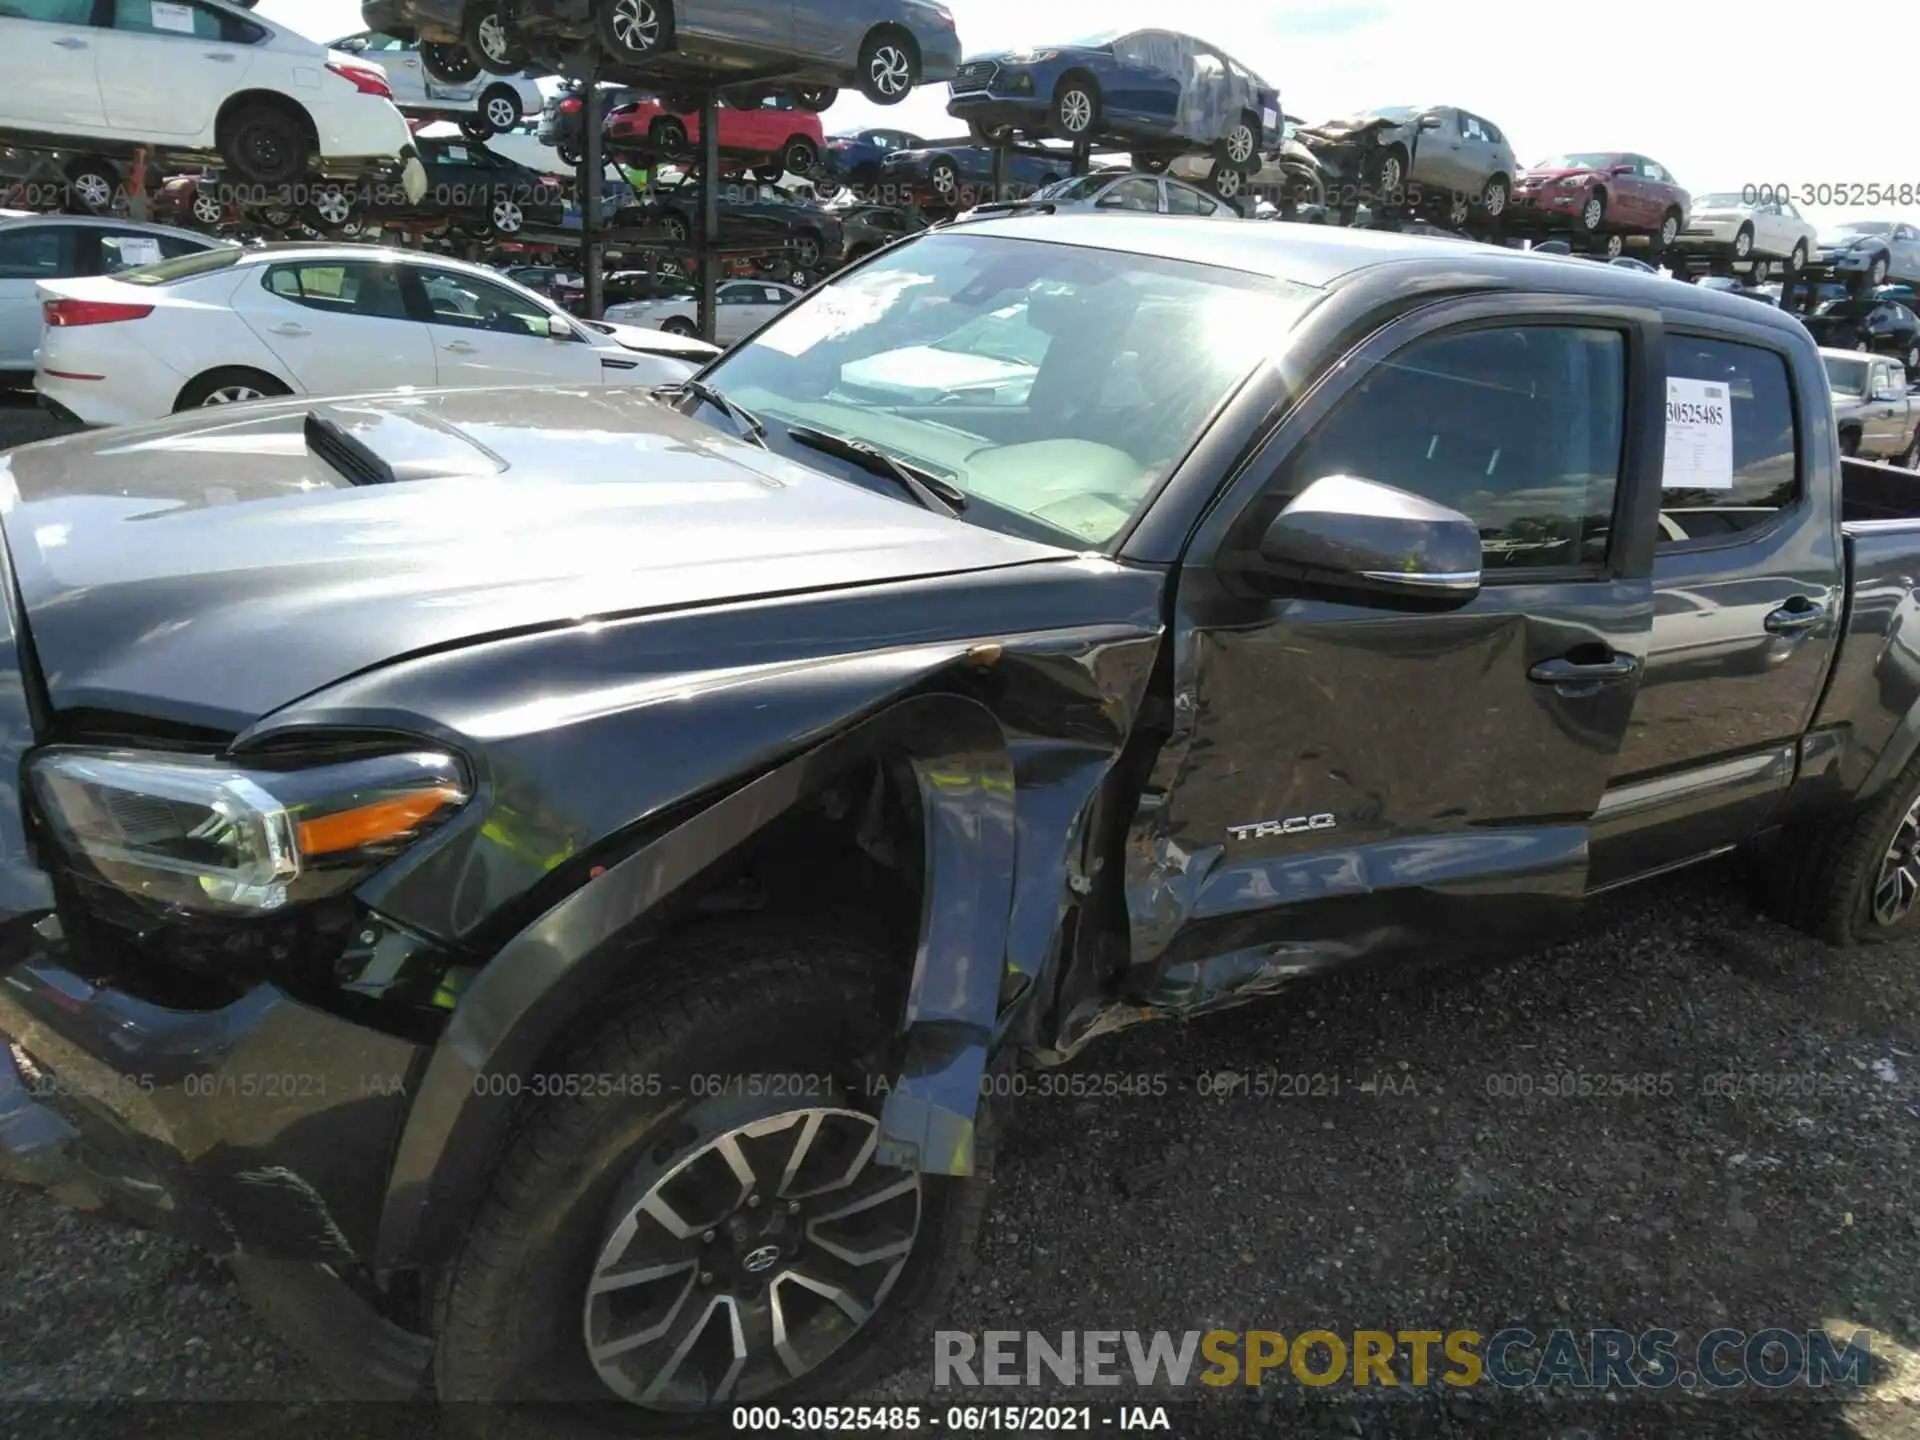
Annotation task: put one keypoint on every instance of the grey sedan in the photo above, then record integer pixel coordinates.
(1114, 191)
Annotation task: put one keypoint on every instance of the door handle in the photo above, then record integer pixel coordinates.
(1591, 672)
(1791, 619)
(220, 56)
(459, 347)
(291, 329)
(69, 42)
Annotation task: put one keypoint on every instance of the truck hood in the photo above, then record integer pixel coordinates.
(208, 570)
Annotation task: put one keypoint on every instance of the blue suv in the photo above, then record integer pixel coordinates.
(1157, 93)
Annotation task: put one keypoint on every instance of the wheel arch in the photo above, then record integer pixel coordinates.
(286, 104)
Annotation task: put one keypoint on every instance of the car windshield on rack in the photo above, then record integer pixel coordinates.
(1399, 114)
(1847, 377)
(1085, 419)
(1587, 160)
(1079, 187)
(1722, 200)
(1865, 227)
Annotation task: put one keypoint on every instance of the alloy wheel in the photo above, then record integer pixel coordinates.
(636, 25)
(749, 1262)
(1240, 143)
(1226, 181)
(1592, 213)
(1494, 200)
(1877, 272)
(1616, 245)
(1457, 213)
(945, 180)
(94, 189)
(1669, 231)
(806, 252)
(502, 113)
(1390, 175)
(507, 217)
(492, 34)
(1076, 112)
(890, 70)
(233, 395)
(1899, 883)
(1743, 245)
(332, 205)
(207, 210)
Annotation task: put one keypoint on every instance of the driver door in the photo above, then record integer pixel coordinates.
(1356, 779)
(486, 334)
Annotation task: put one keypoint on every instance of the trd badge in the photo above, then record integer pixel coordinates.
(1297, 825)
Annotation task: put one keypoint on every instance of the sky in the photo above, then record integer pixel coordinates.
(1670, 79)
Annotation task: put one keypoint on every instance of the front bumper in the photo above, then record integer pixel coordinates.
(261, 1128)
(1847, 261)
(995, 109)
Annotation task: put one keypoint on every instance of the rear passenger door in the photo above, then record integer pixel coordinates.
(1415, 779)
(166, 65)
(341, 327)
(1748, 590)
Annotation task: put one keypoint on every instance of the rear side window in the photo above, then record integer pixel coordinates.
(1765, 476)
(182, 17)
(49, 12)
(35, 252)
(342, 288)
(120, 252)
(1518, 428)
(199, 262)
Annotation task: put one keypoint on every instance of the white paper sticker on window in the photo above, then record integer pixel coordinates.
(178, 18)
(137, 250)
(1699, 436)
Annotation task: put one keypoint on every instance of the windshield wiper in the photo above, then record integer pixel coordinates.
(928, 490)
(752, 427)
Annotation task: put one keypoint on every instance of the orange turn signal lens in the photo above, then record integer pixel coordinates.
(371, 824)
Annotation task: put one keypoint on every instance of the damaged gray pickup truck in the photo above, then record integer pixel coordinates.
(560, 869)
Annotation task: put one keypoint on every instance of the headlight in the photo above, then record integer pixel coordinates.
(212, 836)
(1571, 182)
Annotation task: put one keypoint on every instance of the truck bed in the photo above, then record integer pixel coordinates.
(1874, 490)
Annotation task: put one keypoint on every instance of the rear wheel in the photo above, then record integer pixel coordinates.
(662, 1255)
(507, 216)
(806, 250)
(802, 156)
(92, 187)
(207, 211)
(1910, 457)
(1855, 881)
(230, 386)
(1850, 442)
(476, 129)
(943, 176)
(677, 325)
(265, 144)
(669, 136)
(1743, 243)
(815, 98)
(633, 29)
(500, 108)
(1669, 231)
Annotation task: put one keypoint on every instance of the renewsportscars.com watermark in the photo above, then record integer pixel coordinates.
(1509, 1359)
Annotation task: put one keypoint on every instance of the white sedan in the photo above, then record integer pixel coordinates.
(196, 78)
(232, 325)
(1742, 227)
(740, 308)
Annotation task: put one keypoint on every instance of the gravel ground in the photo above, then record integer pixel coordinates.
(1413, 1187)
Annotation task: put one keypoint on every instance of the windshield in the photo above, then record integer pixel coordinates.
(1056, 386)
(1584, 161)
(1847, 377)
(1399, 114)
(1845, 309)
(186, 267)
(1721, 200)
(1864, 227)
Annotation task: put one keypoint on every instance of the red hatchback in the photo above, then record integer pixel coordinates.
(1602, 193)
(775, 138)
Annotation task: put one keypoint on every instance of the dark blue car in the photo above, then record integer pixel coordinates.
(854, 158)
(961, 176)
(1157, 93)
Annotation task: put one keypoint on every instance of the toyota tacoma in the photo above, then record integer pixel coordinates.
(552, 874)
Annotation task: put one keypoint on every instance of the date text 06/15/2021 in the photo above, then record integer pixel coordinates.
(952, 1419)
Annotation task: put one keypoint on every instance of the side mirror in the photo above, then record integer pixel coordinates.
(1620, 170)
(558, 328)
(1888, 397)
(1430, 122)
(353, 44)
(1353, 534)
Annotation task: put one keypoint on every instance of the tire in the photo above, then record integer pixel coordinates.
(330, 208)
(1849, 443)
(1074, 113)
(500, 109)
(1240, 146)
(265, 145)
(815, 98)
(1388, 179)
(807, 250)
(889, 65)
(1743, 243)
(631, 30)
(801, 157)
(449, 63)
(475, 129)
(568, 1201)
(769, 174)
(1669, 232)
(1593, 213)
(1613, 245)
(1827, 882)
(669, 136)
(1493, 199)
(507, 216)
(677, 325)
(1797, 261)
(943, 177)
(92, 187)
(1154, 164)
(1877, 273)
(226, 387)
(494, 41)
(207, 211)
(1227, 180)
(1911, 362)
(675, 230)
(570, 153)
(1910, 457)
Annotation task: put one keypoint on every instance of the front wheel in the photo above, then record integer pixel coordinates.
(1669, 231)
(1856, 880)
(265, 144)
(500, 109)
(1911, 360)
(1877, 272)
(476, 129)
(570, 154)
(633, 29)
(1493, 199)
(815, 98)
(1075, 110)
(494, 40)
(716, 1231)
(1797, 261)
(449, 63)
(1593, 213)
(889, 67)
